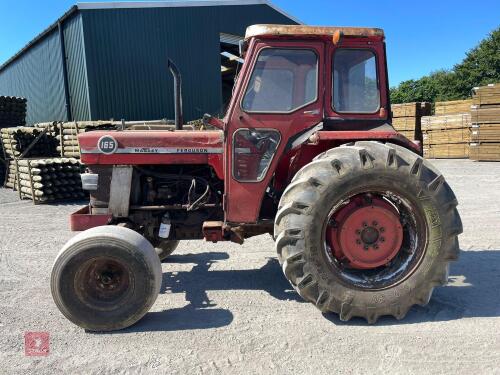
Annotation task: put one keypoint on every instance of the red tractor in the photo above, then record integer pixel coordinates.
(363, 225)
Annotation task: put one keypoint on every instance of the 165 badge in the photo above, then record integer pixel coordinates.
(107, 145)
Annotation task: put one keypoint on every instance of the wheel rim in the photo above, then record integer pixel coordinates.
(374, 239)
(103, 282)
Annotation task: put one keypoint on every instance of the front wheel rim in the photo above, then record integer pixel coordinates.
(103, 283)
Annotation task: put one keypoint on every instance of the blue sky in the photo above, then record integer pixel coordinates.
(421, 36)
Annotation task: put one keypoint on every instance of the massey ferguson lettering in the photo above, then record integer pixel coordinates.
(146, 150)
(192, 150)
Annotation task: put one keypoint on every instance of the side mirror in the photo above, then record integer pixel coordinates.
(241, 47)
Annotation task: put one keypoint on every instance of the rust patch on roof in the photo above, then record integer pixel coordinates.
(301, 30)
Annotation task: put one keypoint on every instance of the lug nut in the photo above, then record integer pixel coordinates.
(358, 231)
(374, 223)
(365, 225)
(375, 247)
(358, 242)
(365, 247)
(382, 230)
(382, 239)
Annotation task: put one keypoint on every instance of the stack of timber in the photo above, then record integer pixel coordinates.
(406, 118)
(46, 180)
(12, 111)
(485, 142)
(447, 136)
(24, 141)
(452, 107)
(67, 134)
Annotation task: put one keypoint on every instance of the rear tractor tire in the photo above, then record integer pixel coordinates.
(367, 230)
(106, 278)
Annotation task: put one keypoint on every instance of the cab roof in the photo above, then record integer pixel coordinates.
(301, 30)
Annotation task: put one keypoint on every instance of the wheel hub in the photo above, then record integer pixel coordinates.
(102, 280)
(365, 233)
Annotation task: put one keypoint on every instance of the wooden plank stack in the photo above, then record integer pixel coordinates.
(406, 118)
(447, 133)
(46, 180)
(452, 107)
(17, 140)
(485, 135)
(446, 136)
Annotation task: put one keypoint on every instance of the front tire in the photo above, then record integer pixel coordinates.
(106, 278)
(337, 265)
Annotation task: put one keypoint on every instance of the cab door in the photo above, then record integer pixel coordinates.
(278, 99)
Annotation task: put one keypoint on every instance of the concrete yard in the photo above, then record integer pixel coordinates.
(225, 308)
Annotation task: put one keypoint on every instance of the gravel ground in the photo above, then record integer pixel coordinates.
(225, 308)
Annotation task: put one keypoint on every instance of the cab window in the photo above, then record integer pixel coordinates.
(282, 81)
(355, 81)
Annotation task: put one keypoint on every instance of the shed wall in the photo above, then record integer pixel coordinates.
(77, 68)
(127, 52)
(37, 75)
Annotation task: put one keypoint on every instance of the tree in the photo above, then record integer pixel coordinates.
(480, 67)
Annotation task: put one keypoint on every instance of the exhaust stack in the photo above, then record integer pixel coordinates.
(177, 94)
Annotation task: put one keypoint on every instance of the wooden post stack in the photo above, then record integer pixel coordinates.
(46, 180)
(32, 142)
(67, 135)
(485, 136)
(12, 113)
(406, 118)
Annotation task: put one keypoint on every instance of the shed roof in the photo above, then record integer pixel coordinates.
(179, 4)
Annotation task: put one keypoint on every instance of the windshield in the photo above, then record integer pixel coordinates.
(282, 81)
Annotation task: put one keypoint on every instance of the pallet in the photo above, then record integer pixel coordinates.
(485, 151)
(439, 122)
(447, 151)
(485, 132)
(452, 107)
(486, 95)
(482, 115)
(415, 109)
(447, 136)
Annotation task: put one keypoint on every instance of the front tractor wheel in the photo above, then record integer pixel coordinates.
(367, 230)
(106, 278)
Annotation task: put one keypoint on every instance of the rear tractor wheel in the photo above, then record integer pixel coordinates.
(165, 247)
(106, 278)
(367, 230)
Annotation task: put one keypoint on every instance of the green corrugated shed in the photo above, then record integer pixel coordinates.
(115, 57)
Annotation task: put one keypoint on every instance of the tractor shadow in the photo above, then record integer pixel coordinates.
(473, 291)
(201, 312)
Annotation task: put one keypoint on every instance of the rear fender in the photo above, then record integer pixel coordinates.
(321, 141)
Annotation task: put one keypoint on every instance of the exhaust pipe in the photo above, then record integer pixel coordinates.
(177, 94)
